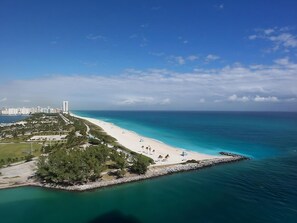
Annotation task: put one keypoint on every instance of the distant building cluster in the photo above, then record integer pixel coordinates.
(28, 111)
(38, 109)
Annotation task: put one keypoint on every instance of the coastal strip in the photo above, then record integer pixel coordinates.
(161, 153)
(173, 160)
(153, 172)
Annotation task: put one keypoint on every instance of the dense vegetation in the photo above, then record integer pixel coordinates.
(140, 164)
(72, 166)
(78, 166)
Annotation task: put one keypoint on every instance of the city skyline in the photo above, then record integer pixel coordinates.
(32, 110)
(28, 110)
(177, 55)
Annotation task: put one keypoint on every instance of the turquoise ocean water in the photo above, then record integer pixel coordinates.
(260, 190)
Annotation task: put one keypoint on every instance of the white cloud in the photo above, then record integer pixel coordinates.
(268, 31)
(181, 60)
(252, 37)
(285, 39)
(141, 100)
(192, 58)
(219, 6)
(25, 101)
(257, 98)
(266, 99)
(3, 99)
(96, 37)
(280, 38)
(202, 100)
(211, 57)
(132, 100)
(177, 59)
(282, 61)
(166, 101)
(183, 40)
(234, 97)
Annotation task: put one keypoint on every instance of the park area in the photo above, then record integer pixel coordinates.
(14, 152)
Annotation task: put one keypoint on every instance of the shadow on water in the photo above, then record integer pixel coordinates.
(114, 216)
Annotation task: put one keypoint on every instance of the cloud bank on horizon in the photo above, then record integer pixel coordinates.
(236, 87)
(167, 59)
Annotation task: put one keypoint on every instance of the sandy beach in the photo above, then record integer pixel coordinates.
(152, 148)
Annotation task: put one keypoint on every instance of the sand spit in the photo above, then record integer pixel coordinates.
(152, 148)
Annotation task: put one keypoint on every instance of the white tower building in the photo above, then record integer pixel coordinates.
(65, 107)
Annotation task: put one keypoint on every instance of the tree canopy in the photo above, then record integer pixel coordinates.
(72, 166)
(140, 164)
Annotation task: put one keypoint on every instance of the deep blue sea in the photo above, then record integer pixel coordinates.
(262, 189)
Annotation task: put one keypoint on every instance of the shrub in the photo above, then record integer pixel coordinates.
(94, 141)
(29, 158)
(140, 164)
(120, 173)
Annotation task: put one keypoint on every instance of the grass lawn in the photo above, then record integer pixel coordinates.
(18, 150)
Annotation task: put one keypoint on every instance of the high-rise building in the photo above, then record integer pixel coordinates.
(65, 107)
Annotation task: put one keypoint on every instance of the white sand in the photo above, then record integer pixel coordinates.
(138, 144)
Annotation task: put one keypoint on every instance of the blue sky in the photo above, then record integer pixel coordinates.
(185, 55)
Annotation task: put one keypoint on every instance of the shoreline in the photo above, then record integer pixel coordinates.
(174, 164)
(153, 172)
(150, 147)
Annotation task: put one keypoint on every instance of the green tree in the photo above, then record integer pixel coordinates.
(70, 166)
(140, 164)
(119, 158)
(120, 173)
(15, 134)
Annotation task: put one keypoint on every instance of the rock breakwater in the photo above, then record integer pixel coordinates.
(151, 173)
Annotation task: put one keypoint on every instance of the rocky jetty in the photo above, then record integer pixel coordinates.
(240, 157)
(152, 173)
